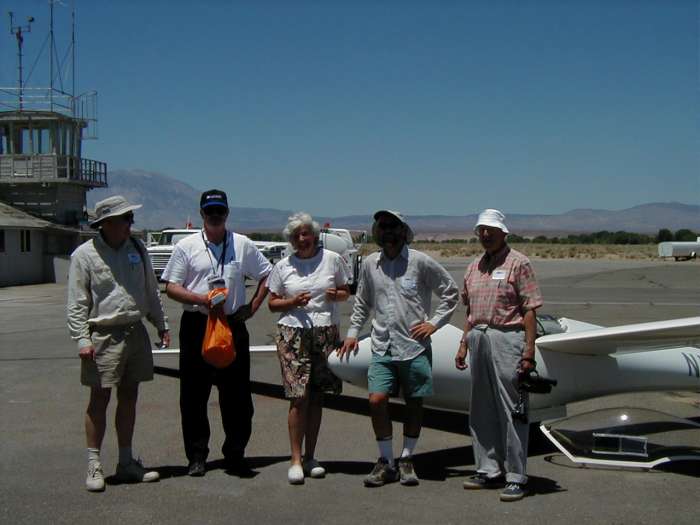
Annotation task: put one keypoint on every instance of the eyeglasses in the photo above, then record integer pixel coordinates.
(215, 210)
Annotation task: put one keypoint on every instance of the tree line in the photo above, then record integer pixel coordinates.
(601, 237)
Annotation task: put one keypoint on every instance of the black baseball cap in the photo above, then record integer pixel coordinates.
(213, 198)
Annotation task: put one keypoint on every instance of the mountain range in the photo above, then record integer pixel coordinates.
(168, 202)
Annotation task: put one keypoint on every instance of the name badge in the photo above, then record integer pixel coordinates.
(498, 275)
(134, 258)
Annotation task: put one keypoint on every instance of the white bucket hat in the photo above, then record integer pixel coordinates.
(397, 215)
(493, 218)
(113, 206)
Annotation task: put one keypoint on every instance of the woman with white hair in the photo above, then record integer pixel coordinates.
(304, 288)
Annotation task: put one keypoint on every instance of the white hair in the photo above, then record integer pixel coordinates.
(298, 220)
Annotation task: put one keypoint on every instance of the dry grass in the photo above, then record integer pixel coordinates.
(545, 251)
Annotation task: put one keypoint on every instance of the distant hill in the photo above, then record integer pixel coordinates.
(169, 202)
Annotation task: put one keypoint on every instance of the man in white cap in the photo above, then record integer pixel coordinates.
(111, 287)
(397, 283)
(501, 294)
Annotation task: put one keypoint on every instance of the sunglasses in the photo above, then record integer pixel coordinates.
(388, 225)
(215, 210)
(127, 217)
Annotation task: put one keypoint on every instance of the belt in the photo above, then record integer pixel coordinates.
(500, 328)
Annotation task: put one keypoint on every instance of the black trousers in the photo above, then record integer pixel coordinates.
(196, 380)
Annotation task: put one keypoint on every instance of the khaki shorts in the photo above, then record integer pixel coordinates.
(303, 354)
(122, 357)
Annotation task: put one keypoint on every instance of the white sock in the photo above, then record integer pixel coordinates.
(386, 449)
(93, 455)
(409, 444)
(125, 455)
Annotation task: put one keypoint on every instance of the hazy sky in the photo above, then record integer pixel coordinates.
(340, 107)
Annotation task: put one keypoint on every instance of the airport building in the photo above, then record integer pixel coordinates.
(44, 177)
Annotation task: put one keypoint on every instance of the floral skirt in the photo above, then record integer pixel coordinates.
(303, 359)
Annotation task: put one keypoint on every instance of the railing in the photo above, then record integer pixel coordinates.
(52, 168)
(82, 107)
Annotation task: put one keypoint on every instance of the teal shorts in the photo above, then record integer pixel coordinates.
(414, 376)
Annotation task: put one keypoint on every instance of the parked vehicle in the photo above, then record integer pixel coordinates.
(347, 244)
(160, 246)
(680, 251)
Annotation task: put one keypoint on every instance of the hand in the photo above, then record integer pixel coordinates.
(301, 299)
(215, 303)
(461, 357)
(332, 294)
(244, 313)
(525, 366)
(349, 345)
(164, 338)
(87, 353)
(422, 330)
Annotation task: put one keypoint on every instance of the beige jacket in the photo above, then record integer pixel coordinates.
(108, 287)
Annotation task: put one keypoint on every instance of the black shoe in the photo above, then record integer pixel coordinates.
(239, 467)
(196, 468)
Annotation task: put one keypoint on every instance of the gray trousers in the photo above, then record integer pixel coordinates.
(499, 442)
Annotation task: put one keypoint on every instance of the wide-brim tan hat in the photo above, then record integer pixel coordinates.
(113, 206)
(397, 215)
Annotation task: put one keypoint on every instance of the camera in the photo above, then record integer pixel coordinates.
(530, 382)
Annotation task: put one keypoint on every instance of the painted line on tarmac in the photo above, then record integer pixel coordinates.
(621, 303)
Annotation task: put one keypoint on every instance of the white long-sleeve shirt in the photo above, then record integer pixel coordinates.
(399, 292)
(108, 287)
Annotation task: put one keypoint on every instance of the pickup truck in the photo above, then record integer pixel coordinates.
(160, 249)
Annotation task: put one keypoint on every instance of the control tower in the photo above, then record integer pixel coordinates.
(42, 129)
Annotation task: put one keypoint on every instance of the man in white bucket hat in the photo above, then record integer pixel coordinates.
(111, 287)
(501, 295)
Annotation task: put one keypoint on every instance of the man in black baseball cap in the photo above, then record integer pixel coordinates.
(200, 263)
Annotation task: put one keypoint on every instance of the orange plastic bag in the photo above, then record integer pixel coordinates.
(217, 347)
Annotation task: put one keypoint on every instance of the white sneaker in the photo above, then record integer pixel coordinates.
(95, 481)
(313, 469)
(295, 475)
(133, 472)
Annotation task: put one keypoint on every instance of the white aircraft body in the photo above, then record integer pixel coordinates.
(587, 361)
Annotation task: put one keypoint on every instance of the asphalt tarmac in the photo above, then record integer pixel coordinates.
(43, 458)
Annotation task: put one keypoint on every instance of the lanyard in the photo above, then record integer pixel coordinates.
(222, 258)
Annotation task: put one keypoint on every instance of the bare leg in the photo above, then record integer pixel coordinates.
(379, 410)
(125, 417)
(96, 416)
(313, 423)
(296, 421)
(414, 416)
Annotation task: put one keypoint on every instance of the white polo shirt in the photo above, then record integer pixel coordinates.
(195, 259)
(292, 276)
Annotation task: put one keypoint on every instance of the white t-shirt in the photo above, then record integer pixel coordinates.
(195, 259)
(292, 276)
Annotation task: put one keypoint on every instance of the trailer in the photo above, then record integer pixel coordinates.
(680, 251)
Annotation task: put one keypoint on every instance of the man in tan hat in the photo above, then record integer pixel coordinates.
(501, 294)
(397, 283)
(111, 287)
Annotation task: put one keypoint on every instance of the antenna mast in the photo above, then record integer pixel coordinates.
(18, 30)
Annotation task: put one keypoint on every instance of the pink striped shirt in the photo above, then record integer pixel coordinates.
(500, 288)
